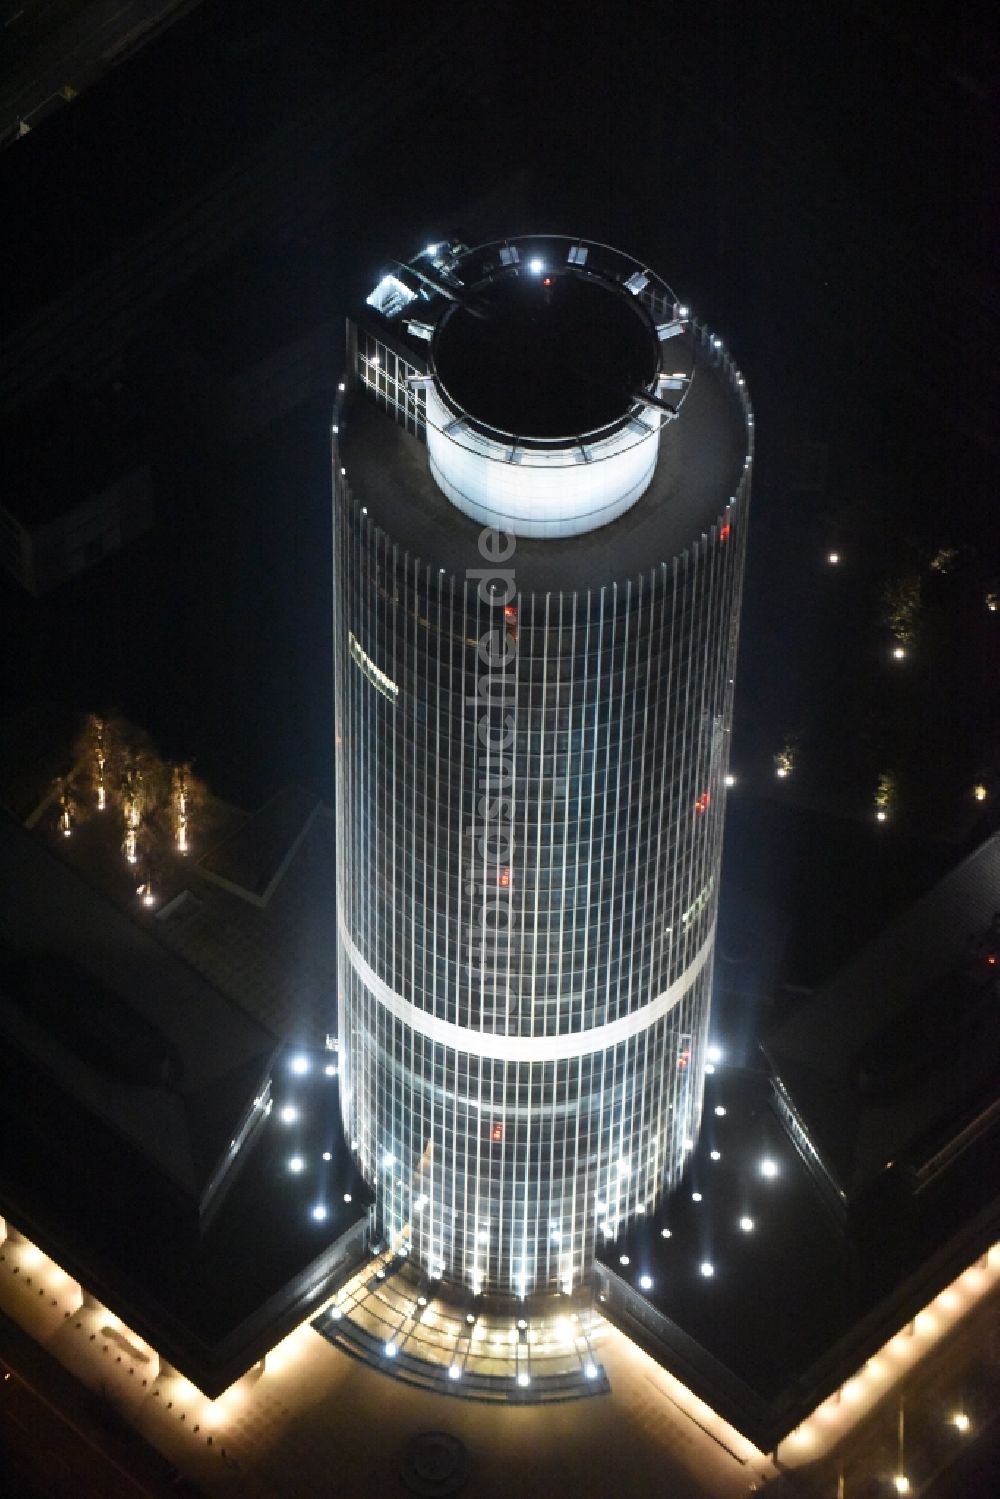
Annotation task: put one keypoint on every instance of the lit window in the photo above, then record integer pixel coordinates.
(390, 296)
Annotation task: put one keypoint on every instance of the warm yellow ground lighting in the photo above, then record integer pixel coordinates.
(893, 1362)
(901, 1483)
(960, 1421)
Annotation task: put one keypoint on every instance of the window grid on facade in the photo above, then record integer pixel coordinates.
(512, 1120)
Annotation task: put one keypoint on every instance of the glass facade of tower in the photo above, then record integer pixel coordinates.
(531, 775)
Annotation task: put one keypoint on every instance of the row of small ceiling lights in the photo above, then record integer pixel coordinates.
(767, 1168)
(290, 1113)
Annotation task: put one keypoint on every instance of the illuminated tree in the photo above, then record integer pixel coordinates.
(901, 606)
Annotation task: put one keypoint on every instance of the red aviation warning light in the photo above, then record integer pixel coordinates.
(724, 531)
(510, 620)
(496, 1133)
(703, 802)
(683, 1058)
(503, 877)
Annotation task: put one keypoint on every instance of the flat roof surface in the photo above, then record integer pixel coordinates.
(700, 462)
(276, 962)
(908, 977)
(113, 1228)
(50, 913)
(64, 450)
(252, 857)
(789, 1290)
(552, 354)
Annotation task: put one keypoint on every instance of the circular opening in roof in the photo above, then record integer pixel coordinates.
(546, 354)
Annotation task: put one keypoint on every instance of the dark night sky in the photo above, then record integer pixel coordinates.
(816, 180)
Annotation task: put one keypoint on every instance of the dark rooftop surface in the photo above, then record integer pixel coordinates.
(903, 1039)
(111, 1226)
(793, 1288)
(551, 354)
(701, 459)
(62, 935)
(64, 449)
(253, 857)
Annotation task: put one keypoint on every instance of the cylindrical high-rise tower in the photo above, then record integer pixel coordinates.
(541, 481)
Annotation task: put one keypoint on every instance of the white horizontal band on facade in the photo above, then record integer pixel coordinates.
(527, 1048)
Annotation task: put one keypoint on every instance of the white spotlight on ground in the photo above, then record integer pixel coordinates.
(296, 1164)
(707, 1269)
(319, 1212)
(288, 1114)
(768, 1167)
(746, 1224)
(300, 1065)
(714, 1053)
